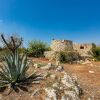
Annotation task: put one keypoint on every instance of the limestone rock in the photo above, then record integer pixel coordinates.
(36, 65)
(48, 66)
(51, 93)
(60, 68)
(72, 95)
(92, 72)
(65, 97)
(53, 76)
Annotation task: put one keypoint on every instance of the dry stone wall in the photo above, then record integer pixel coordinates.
(62, 45)
(83, 49)
(67, 46)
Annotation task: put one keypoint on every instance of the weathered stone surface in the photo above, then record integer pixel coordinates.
(53, 76)
(92, 72)
(62, 45)
(67, 46)
(36, 65)
(51, 55)
(83, 49)
(48, 66)
(72, 95)
(71, 90)
(60, 68)
(51, 93)
(64, 97)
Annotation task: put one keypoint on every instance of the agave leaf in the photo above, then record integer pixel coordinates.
(23, 67)
(3, 85)
(32, 75)
(4, 77)
(6, 72)
(9, 65)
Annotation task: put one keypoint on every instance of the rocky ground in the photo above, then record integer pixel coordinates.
(66, 82)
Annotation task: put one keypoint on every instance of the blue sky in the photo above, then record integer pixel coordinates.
(77, 20)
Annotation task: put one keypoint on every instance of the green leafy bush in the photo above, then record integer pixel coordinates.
(68, 57)
(37, 48)
(96, 53)
(22, 50)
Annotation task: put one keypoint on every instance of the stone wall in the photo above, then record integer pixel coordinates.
(67, 46)
(62, 45)
(82, 49)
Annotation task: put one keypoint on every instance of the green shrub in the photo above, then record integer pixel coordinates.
(37, 48)
(96, 53)
(68, 57)
(22, 50)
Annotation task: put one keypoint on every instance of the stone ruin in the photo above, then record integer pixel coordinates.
(62, 45)
(83, 49)
(68, 46)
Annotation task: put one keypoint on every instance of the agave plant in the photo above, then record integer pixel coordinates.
(14, 71)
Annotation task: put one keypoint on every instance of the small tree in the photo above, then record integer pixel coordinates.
(37, 48)
(13, 43)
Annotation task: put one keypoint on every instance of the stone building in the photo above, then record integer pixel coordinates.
(62, 45)
(82, 49)
(68, 46)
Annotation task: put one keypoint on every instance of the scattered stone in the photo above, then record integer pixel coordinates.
(36, 92)
(46, 74)
(65, 97)
(55, 85)
(91, 65)
(39, 78)
(86, 62)
(36, 82)
(72, 95)
(74, 77)
(92, 72)
(67, 80)
(20, 95)
(57, 63)
(48, 66)
(1, 98)
(51, 93)
(60, 68)
(53, 76)
(71, 84)
(36, 65)
(47, 98)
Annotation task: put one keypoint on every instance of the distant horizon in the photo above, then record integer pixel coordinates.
(76, 20)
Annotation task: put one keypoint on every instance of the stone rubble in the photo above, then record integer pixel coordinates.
(36, 65)
(48, 66)
(66, 84)
(60, 68)
(51, 93)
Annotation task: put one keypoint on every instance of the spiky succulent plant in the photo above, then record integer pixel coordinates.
(14, 71)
